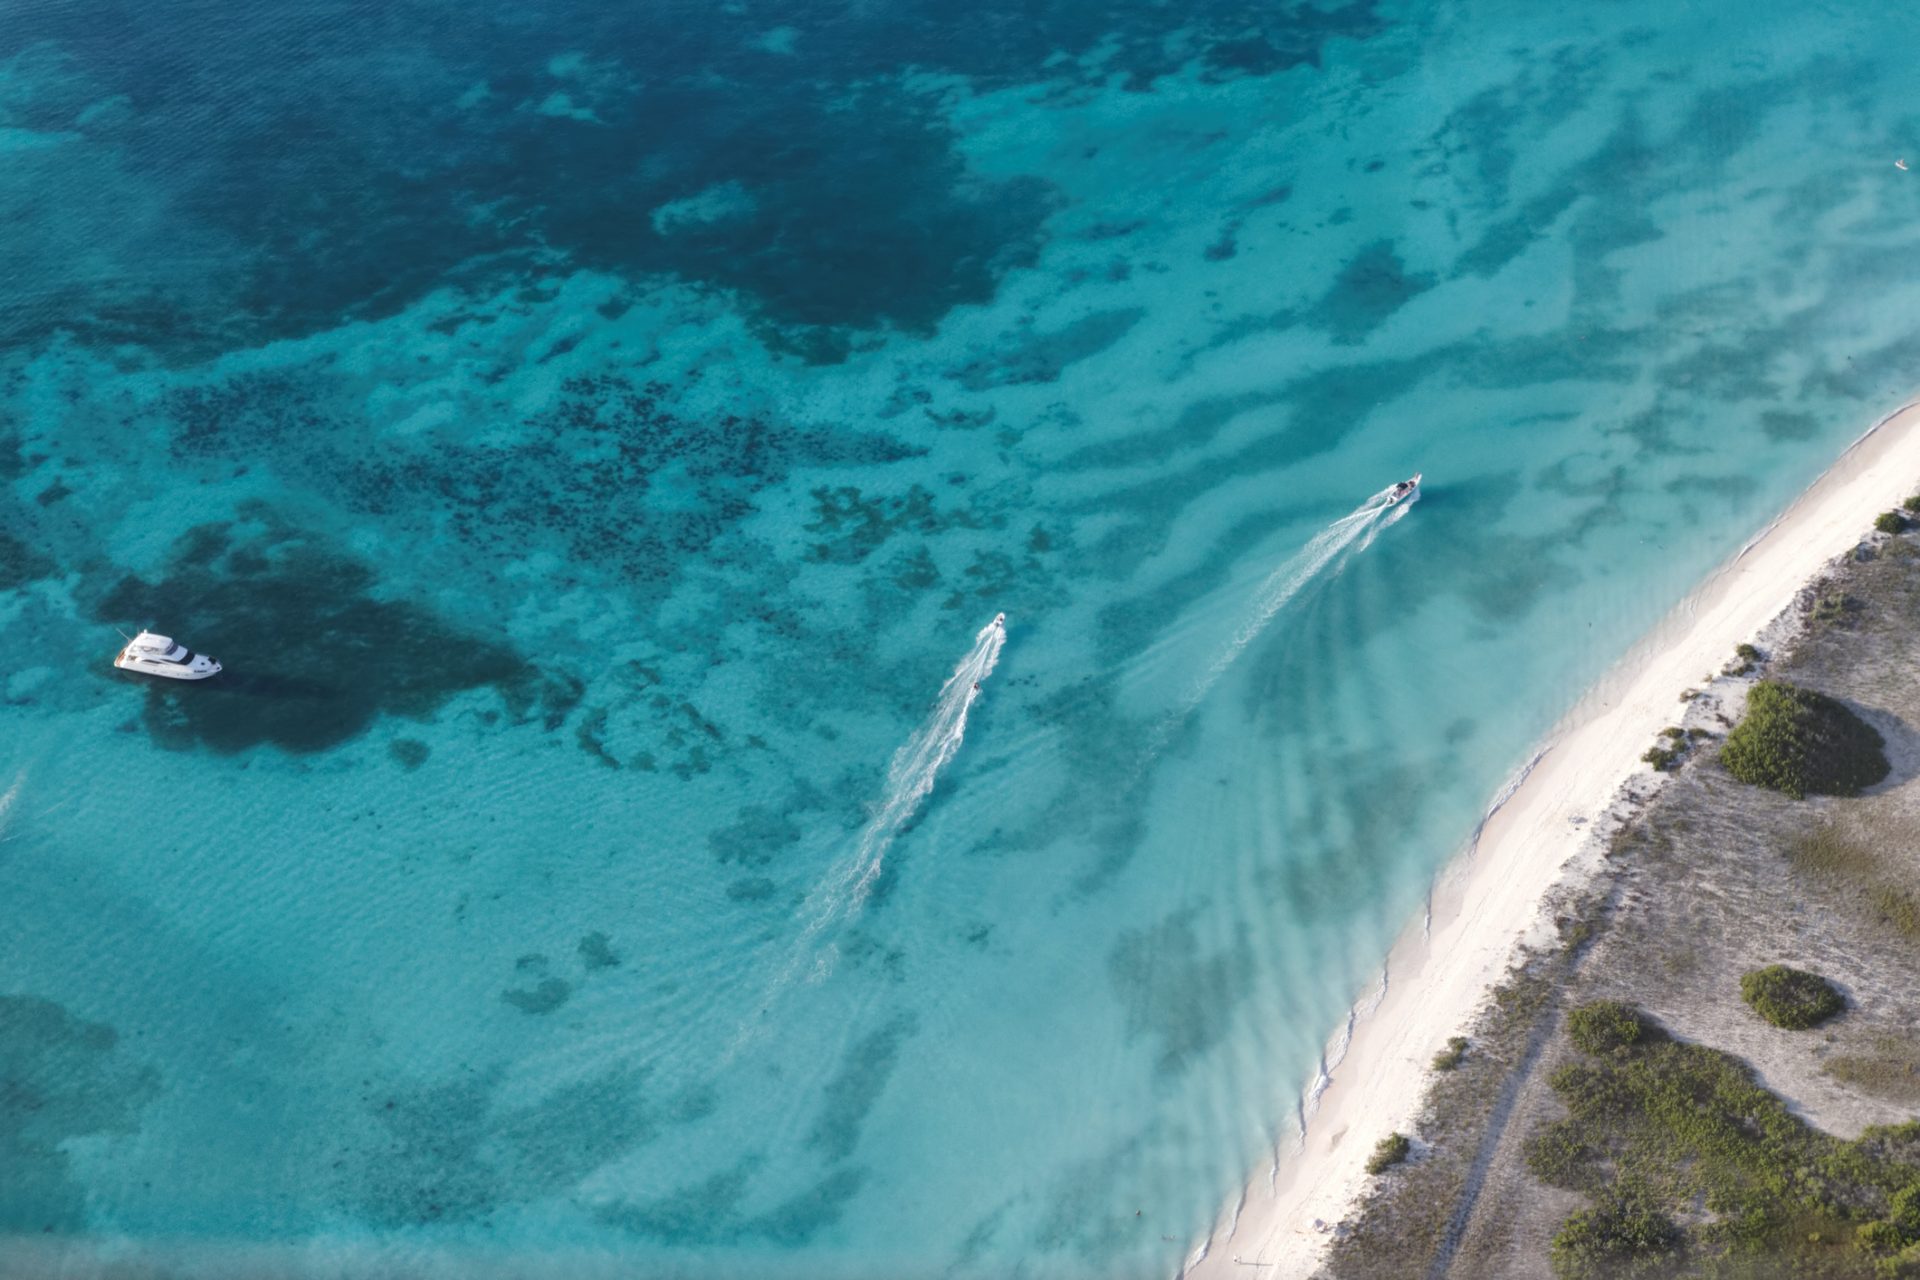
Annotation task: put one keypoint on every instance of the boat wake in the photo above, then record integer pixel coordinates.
(7, 801)
(911, 776)
(1354, 531)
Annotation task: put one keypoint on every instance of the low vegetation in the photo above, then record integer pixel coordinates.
(1450, 1057)
(1827, 855)
(1390, 1151)
(1892, 1071)
(1803, 743)
(1745, 659)
(1606, 1026)
(1407, 1222)
(1832, 607)
(1790, 998)
(1666, 754)
(1890, 522)
(1683, 1154)
(1624, 1234)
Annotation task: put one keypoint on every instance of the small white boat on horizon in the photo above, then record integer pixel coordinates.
(1405, 491)
(156, 655)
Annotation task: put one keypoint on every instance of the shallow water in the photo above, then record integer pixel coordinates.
(591, 439)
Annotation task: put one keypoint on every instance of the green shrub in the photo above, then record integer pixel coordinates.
(1803, 743)
(1449, 1058)
(1889, 522)
(1673, 1133)
(1900, 1228)
(1560, 1156)
(1745, 659)
(1603, 1026)
(1390, 1151)
(1912, 504)
(1833, 606)
(1624, 1234)
(1662, 758)
(1790, 998)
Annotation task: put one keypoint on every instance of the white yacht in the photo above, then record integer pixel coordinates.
(158, 655)
(1402, 492)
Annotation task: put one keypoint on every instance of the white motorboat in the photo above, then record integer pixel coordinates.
(1405, 491)
(158, 655)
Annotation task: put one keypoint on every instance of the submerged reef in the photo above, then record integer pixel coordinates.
(800, 175)
(313, 653)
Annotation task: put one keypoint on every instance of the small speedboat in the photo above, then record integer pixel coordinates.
(1405, 491)
(158, 655)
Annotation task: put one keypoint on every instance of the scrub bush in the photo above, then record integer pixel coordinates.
(1790, 998)
(1606, 1025)
(1803, 743)
(1834, 607)
(1391, 1150)
(1560, 1156)
(1449, 1058)
(1745, 659)
(1890, 522)
(1683, 1152)
(1624, 1234)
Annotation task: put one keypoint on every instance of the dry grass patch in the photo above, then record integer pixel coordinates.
(1839, 861)
(1893, 1072)
(1898, 909)
(1830, 854)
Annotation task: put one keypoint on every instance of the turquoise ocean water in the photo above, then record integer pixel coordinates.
(593, 435)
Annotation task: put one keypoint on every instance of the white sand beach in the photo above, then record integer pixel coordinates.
(1494, 894)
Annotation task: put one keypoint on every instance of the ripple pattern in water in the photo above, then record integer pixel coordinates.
(588, 434)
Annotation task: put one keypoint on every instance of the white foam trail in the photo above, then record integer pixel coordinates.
(8, 800)
(911, 776)
(1283, 584)
(917, 765)
(1395, 514)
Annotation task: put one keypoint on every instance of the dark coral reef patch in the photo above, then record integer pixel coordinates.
(611, 474)
(313, 654)
(809, 181)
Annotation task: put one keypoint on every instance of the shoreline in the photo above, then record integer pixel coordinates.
(1488, 898)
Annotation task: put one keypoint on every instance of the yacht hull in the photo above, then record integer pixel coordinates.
(168, 671)
(157, 655)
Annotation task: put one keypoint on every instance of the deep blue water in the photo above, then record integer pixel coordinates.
(591, 435)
